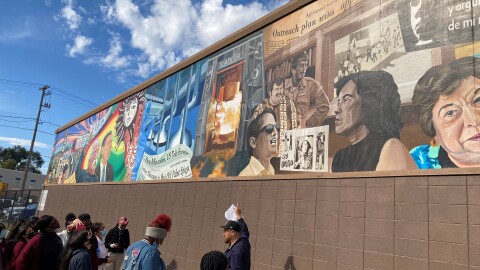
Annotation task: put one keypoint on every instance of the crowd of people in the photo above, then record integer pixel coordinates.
(40, 243)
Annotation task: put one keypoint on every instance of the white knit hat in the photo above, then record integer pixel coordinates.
(157, 233)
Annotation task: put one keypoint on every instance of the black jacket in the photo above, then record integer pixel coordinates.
(238, 254)
(115, 235)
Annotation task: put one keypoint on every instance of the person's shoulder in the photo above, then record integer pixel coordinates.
(79, 253)
(394, 145)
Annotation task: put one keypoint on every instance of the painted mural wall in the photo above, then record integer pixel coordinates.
(337, 86)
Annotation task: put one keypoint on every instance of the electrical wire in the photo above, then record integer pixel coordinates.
(17, 121)
(20, 83)
(73, 96)
(11, 116)
(29, 119)
(41, 131)
(71, 99)
(66, 94)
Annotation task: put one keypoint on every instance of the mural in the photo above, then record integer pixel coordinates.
(170, 120)
(337, 86)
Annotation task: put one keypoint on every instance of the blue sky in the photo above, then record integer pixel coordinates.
(91, 51)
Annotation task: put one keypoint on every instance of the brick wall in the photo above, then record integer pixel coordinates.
(417, 222)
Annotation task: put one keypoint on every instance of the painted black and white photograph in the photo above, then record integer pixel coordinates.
(308, 151)
(432, 23)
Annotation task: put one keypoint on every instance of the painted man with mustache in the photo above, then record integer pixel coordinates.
(283, 107)
(262, 134)
(310, 99)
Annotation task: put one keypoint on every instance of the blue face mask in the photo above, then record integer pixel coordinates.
(3, 234)
(104, 233)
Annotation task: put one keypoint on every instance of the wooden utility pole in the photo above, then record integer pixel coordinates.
(43, 89)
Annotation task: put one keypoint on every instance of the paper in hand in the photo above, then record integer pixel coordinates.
(230, 213)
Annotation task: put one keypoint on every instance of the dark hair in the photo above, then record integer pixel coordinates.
(308, 145)
(84, 216)
(97, 226)
(32, 221)
(276, 81)
(69, 218)
(105, 138)
(44, 222)
(75, 242)
(16, 224)
(22, 230)
(254, 126)
(441, 80)
(214, 260)
(380, 101)
(303, 56)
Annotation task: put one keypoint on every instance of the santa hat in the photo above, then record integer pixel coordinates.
(159, 227)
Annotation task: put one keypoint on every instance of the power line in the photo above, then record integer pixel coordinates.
(71, 99)
(17, 121)
(20, 83)
(58, 91)
(74, 96)
(27, 129)
(29, 119)
(11, 116)
(47, 122)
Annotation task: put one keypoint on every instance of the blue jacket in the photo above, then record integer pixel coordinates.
(142, 255)
(80, 260)
(238, 254)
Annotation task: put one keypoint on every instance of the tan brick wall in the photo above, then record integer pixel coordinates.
(422, 222)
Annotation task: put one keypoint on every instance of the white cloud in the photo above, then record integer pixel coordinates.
(72, 18)
(81, 43)
(172, 31)
(23, 142)
(48, 3)
(114, 58)
(108, 12)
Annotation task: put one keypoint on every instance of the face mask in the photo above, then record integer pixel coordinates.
(104, 233)
(3, 234)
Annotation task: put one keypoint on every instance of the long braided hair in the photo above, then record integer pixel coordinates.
(214, 260)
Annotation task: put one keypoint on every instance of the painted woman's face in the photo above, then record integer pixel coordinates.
(129, 111)
(456, 119)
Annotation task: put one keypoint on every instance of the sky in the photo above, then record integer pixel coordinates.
(89, 52)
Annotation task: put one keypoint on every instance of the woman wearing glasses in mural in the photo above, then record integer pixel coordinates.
(447, 102)
(127, 128)
(262, 134)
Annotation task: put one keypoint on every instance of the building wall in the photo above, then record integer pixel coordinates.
(14, 179)
(366, 222)
(193, 120)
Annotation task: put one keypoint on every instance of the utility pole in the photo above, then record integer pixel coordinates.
(43, 89)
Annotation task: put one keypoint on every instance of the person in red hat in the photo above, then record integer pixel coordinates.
(117, 241)
(144, 254)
